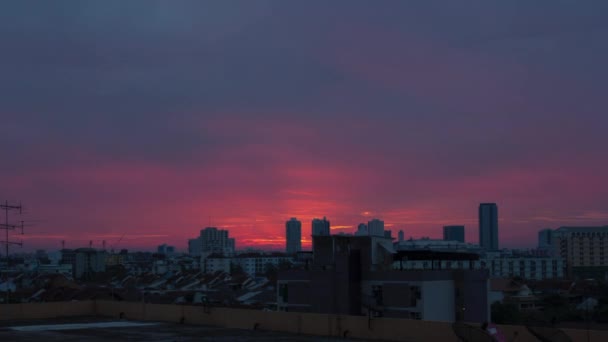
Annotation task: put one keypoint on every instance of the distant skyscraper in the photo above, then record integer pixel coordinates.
(362, 230)
(320, 227)
(165, 249)
(211, 240)
(545, 237)
(195, 247)
(488, 226)
(375, 227)
(293, 236)
(453, 233)
(401, 235)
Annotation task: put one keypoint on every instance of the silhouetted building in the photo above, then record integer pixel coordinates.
(401, 235)
(453, 233)
(488, 226)
(388, 234)
(320, 227)
(195, 247)
(375, 227)
(353, 275)
(212, 240)
(362, 230)
(85, 261)
(545, 239)
(293, 236)
(165, 249)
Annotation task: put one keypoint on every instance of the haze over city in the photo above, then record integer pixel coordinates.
(155, 119)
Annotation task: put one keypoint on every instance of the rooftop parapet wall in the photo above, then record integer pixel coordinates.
(388, 329)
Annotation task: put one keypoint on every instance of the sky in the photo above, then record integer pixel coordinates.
(149, 120)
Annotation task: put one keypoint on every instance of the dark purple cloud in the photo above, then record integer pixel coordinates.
(147, 117)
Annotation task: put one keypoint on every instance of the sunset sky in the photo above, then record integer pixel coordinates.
(155, 118)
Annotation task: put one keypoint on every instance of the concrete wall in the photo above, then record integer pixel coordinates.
(46, 310)
(438, 301)
(390, 329)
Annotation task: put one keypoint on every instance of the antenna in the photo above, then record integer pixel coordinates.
(8, 227)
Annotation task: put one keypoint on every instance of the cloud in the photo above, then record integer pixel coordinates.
(157, 117)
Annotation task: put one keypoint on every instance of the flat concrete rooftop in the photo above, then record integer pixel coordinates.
(100, 329)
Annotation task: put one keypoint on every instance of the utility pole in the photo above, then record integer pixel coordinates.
(10, 227)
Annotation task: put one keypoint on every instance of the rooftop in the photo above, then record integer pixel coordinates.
(99, 329)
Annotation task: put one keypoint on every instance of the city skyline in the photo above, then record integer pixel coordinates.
(145, 122)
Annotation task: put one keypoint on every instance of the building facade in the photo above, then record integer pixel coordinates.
(253, 264)
(353, 275)
(85, 261)
(320, 227)
(545, 239)
(212, 240)
(584, 249)
(529, 268)
(453, 233)
(488, 226)
(293, 236)
(375, 227)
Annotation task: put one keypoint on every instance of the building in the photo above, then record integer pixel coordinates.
(437, 245)
(165, 249)
(293, 236)
(584, 249)
(217, 262)
(530, 268)
(212, 240)
(64, 269)
(85, 261)
(361, 230)
(253, 264)
(320, 227)
(453, 233)
(375, 227)
(545, 239)
(259, 264)
(488, 226)
(195, 247)
(353, 275)
(401, 235)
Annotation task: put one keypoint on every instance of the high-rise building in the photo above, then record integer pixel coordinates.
(488, 226)
(375, 227)
(195, 246)
(401, 235)
(165, 249)
(583, 250)
(545, 239)
(361, 230)
(293, 236)
(453, 233)
(212, 240)
(320, 227)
